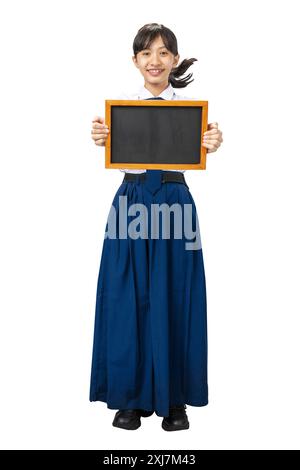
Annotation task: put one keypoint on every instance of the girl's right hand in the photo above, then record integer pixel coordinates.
(99, 131)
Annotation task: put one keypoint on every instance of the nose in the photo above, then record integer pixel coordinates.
(155, 65)
(154, 60)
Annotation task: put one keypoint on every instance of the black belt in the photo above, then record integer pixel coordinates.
(167, 176)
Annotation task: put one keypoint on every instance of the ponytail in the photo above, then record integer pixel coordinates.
(179, 71)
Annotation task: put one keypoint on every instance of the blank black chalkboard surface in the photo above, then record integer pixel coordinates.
(155, 134)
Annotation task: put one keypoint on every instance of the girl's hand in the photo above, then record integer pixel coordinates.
(99, 131)
(212, 138)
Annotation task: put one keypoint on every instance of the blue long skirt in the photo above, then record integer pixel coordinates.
(150, 332)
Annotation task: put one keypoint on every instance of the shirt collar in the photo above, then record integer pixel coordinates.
(166, 94)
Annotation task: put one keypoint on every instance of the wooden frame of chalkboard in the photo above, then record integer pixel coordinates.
(155, 134)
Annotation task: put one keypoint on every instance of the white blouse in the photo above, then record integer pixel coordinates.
(143, 94)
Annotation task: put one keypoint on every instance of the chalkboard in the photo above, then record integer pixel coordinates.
(157, 134)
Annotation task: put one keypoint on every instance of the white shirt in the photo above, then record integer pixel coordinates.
(143, 94)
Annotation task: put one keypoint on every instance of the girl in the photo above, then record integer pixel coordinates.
(150, 336)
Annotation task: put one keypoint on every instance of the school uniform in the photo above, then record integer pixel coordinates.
(150, 334)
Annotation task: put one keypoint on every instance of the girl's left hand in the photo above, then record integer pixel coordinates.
(212, 138)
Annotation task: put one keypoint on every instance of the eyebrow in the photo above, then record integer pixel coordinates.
(162, 47)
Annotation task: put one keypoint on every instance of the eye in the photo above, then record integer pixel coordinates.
(146, 53)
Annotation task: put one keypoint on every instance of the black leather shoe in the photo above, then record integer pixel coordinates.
(177, 419)
(130, 419)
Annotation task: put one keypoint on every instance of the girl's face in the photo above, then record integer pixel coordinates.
(156, 63)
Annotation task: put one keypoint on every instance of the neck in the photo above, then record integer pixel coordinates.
(156, 89)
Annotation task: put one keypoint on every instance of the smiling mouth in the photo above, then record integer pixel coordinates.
(155, 71)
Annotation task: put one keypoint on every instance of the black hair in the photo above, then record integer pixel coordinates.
(146, 36)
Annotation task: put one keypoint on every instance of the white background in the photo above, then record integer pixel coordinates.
(60, 60)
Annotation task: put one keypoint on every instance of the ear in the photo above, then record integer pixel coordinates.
(134, 61)
(176, 60)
